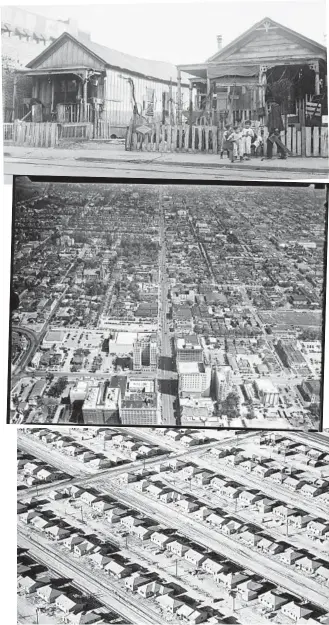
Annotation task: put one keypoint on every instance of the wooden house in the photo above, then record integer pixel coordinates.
(75, 80)
(268, 61)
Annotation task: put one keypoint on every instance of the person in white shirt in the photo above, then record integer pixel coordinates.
(247, 136)
(237, 139)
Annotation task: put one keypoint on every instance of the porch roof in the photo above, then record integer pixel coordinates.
(45, 71)
(101, 57)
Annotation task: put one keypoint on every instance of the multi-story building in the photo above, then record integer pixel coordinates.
(137, 384)
(102, 404)
(79, 391)
(223, 382)
(139, 409)
(145, 353)
(194, 378)
(268, 393)
(188, 349)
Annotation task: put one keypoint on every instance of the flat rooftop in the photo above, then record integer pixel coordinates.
(102, 397)
(125, 338)
(266, 386)
(140, 401)
(54, 336)
(190, 367)
(189, 342)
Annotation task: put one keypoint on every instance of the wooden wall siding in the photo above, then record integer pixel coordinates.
(69, 54)
(118, 103)
(165, 138)
(269, 46)
(43, 135)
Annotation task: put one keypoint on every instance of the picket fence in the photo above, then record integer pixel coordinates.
(33, 134)
(50, 134)
(309, 141)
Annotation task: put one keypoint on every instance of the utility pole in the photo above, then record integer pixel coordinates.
(176, 567)
(81, 514)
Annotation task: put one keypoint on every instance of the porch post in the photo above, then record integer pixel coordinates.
(85, 86)
(179, 97)
(35, 87)
(208, 102)
(190, 101)
(262, 81)
(315, 66)
(171, 115)
(52, 93)
(14, 94)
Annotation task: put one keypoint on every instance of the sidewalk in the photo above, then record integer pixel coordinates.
(102, 153)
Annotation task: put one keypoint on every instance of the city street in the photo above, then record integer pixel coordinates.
(167, 377)
(109, 160)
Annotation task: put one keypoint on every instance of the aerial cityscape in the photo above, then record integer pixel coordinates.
(167, 305)
(172, 526)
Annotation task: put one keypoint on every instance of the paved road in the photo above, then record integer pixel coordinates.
(319, 441)
(107, 161)
(296, 583)
(243, 514)
(111, 595)
(166, 376)
(33, 342)
(56, 458)
(269, 488)
(81, 480)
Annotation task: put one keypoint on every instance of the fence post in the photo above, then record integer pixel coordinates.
(215, 139)
(316, 141)
(308, 131)
(303, 141)
(299, 142)
(324, 141)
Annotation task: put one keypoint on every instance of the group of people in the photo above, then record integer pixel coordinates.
(238, 139)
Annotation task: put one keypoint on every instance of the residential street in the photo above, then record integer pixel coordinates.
(110, 595)
(103, 159)
(274, 571)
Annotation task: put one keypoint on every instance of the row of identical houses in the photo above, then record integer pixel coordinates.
(73, 79)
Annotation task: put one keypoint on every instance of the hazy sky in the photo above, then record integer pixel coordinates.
(185, 32)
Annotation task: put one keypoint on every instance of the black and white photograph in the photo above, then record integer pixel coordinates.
(154, 526)
(212, 90)
(164, 246)
(192, 305)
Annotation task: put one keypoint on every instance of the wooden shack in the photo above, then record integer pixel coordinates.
(267, 62)
(75, 80)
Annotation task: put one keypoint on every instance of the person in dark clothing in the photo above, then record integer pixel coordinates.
(275, 126)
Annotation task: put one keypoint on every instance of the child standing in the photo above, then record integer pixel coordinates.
(227, 146)
(236, 138)
(248, 135)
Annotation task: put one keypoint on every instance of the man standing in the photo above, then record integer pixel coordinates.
(275, 126)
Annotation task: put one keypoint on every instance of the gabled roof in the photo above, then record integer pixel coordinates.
(158, 70)
(239, 41)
